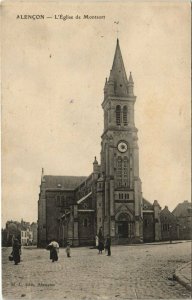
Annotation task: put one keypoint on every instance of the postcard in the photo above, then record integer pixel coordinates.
(96, 100)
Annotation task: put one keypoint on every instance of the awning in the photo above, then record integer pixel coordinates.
(85, 197)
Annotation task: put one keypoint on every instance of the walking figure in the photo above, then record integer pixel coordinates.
(68, 250)
(54, 250)
(108, 245)
(101, 240)
(16, 252)
(96, 241)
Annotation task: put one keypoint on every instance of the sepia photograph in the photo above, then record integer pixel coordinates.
(96, 150)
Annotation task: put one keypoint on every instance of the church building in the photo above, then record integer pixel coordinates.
(74, 208)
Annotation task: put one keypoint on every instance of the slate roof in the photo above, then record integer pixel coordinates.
(118, 73)
(165, 214)
(182, 209)
(65, 182)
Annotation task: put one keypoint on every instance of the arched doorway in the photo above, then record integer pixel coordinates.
(124, 226)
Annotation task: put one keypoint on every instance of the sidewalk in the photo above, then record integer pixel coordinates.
(183, 275)
(159, 243)
(168, 242)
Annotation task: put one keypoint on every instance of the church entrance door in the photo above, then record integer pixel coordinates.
(124, 226)
(123, 229)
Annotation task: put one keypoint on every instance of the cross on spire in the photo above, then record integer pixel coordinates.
(117, 23)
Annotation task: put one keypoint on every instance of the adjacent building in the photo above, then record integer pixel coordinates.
(34, 233)
(24, 231)
(26, 237)
(183, 213)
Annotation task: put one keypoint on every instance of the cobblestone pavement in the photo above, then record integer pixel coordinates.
(132, 272)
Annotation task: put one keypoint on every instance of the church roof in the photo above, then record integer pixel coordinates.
(118, 74)
(64, 182)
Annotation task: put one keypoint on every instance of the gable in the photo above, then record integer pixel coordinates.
(147, 205)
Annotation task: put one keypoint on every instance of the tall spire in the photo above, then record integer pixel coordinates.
(118, 74)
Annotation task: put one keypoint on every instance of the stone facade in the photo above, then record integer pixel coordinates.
(74, 208)
(122, 214)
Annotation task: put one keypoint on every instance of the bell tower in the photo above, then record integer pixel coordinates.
(122, 195)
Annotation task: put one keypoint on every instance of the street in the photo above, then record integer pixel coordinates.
(132, 272)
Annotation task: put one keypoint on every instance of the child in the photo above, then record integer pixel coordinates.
(68, 250)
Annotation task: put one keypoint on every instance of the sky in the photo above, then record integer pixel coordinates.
(53, 74)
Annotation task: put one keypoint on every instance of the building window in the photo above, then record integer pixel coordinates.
(62, 200)
(109, 112)
(125, 171)
(118, 115)
(105, 118)
(120, 196)
(119, 170)
(166, 227)
(125, 115)
(58, 200)
(85, 222)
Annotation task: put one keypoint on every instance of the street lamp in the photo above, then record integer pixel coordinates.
(170, 234)
(184, 232)
(65, 221)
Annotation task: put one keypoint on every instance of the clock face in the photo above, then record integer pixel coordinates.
(122, 147)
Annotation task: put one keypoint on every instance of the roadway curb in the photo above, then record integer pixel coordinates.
(185, 281)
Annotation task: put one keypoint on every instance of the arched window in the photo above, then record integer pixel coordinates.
(85, 222)
(125, 171)
(58, 200)
(109, 112)
(123, 217)
(119, 171)
(125, 115)
(118, 115)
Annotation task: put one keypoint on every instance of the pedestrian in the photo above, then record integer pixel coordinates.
(108, 245)
(16, 252)
(54, 250)
(96, 241)
(68, 250)
(101, 240)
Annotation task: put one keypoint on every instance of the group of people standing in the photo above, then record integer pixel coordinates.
(53, 247)
(102, 243)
